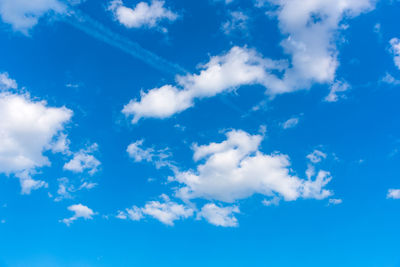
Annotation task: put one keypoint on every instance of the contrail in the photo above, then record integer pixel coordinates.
(97, 30)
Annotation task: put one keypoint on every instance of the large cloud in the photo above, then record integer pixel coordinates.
(236, 169)
(28, 128)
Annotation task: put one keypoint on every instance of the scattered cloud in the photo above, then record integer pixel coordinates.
(139, 153)
(80, 211)
(335, 201)
(290, 123)
(316, 156)
(66, 189)
(219, 216)
(389, 79)
(142, 15)
(393, 194)
(84, 161)
(6, 82)
(166, 211)
(336, 89)
(237, 22)
(395, 49)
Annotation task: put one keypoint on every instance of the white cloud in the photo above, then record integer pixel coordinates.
(395, 49)
(6, 82)
(240, 66)
(274, 201)
(393, 193)
(389, 79)
(237, 22)
(140, 153)
(142, 15)
(21, 121)
(80, 211)
(335, 89)
(290, 123)
(219, 216)
(235, 169)
(316, 156)
(84, 161)
(66, 189)
(166, 212)
(335, 201)
(25, 14)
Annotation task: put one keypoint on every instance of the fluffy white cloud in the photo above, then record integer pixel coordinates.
(235, 169)
(240, 66)
(142, 15)
(393, 193)
(84, 161)
(395, 48)
(166, 212)
(25, 14)
(290, 123)
(80, 211)
(219, 216)
(21, 121)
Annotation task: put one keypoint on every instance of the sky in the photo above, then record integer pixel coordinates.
(199, 133)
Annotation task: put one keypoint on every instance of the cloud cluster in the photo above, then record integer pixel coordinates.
(142, 15)
(310, 28)
(395, 49)
(21, 121)
(236, 169)
(83, 160)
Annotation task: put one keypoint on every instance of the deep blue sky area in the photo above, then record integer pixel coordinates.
(200, 133)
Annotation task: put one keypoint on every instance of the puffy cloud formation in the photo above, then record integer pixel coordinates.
(219, 216)
(143, 15)
(395, 49)
(21, 121)
(236, 169)
(393, 194)
(240, 66)
(80, 211)
(24, 14)
(310, 28)
(139, 153)
(84, 161)
(166, 212)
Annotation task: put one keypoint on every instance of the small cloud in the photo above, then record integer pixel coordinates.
(80, 211)
(316, 156)
(393, 194)
(335, 201)
(336, 89)
(389, 79)
(290, 123)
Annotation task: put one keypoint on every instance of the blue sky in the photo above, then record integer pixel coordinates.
(199, 133)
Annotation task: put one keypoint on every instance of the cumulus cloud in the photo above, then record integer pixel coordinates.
(395, 49)
(239, 66)
(166, 211)
(84, 161)
(80, 211)
(21, 121)
(236, 169)
(393, 194)
(219, 216)
(142, 15)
